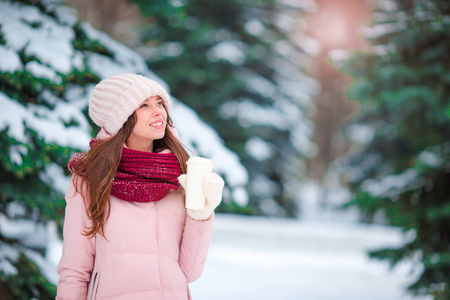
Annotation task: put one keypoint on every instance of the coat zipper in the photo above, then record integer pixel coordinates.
(93, 286)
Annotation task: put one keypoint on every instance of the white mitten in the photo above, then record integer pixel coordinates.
(212, 185)
(182, 180)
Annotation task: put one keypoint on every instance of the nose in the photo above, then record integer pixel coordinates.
(157, 111)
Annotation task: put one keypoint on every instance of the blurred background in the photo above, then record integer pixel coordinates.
(329, 121)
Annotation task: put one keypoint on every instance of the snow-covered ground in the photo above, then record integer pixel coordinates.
(265, 258)
(270, 258)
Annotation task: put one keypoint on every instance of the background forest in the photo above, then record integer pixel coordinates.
(309, 109)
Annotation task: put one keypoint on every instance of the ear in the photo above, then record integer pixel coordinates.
(174, 131)
(103, 134)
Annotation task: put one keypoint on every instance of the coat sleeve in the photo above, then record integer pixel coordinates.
(194, 246)
(77, 259)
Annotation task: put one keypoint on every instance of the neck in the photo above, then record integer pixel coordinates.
(146, 146)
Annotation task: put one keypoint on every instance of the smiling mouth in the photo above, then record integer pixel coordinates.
(156, 124)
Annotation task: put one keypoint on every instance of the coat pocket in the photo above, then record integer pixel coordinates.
(94, 286)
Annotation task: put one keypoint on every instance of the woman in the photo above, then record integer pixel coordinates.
(127, 234)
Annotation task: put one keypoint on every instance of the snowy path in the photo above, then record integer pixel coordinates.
(258, 258)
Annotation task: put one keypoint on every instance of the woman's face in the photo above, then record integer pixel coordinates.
(151, 121)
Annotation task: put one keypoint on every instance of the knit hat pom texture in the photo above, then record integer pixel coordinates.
(114, 99)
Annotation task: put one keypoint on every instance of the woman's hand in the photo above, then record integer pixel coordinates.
(212, 186)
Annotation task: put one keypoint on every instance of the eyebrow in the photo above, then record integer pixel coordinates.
(146, 100)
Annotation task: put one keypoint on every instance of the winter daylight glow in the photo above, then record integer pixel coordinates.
(326, 122)
(331, 29)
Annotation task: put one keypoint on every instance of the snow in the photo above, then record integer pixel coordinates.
(283, 115)
(286, 23)
(42, 72)
(338, 55)
(79, 96)
(370, 162)
(124, 59)
(250, 257)
(48, 125)
(34, 235)
(283, 48)
(15, 209)
(387, 5)
(381, 50)
(194, 133)
(23, 229)
(8, 255)
(171, 49)
(304, 5)
(45, 267)
(203, 139)
(383, 17)
(263, 186)
(309, 45)
(309, 194)
(361, 134)
(240, 196)
(258, 148)
(12, 115)
(232, 51)
(254, 27)
(249, 114)
(392, 19)
(47, 264)
(324, 201)
(378, 30)
(300, 137)
(258, 84)
(49, 40)
(53, 175)
(430, 159)
(10, 61)
(167, 49)
(301, 88)
(16, 152)
(264, 258)
(269, 206)
(270, 258)
(38, 34)
(65, 15)
(393, 185)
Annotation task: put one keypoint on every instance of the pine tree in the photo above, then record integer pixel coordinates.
(49, 63)
(39, 127)
(239, 64)
(404, 170)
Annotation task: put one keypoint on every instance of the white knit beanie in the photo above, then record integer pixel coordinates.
(114, 99)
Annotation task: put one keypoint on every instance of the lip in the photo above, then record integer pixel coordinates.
(157, 126)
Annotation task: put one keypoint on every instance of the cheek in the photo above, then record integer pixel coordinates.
(137, 116)
(140, 124)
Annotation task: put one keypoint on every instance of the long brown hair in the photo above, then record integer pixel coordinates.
(97, 169)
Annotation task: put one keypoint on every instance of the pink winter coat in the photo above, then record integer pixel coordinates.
(153, 250)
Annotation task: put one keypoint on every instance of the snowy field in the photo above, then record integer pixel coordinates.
(257, 258)
(260, 258)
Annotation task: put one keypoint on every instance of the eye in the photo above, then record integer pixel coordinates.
(160, 103)
(143, 105)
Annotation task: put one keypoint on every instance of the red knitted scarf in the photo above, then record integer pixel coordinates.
(142, 176)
